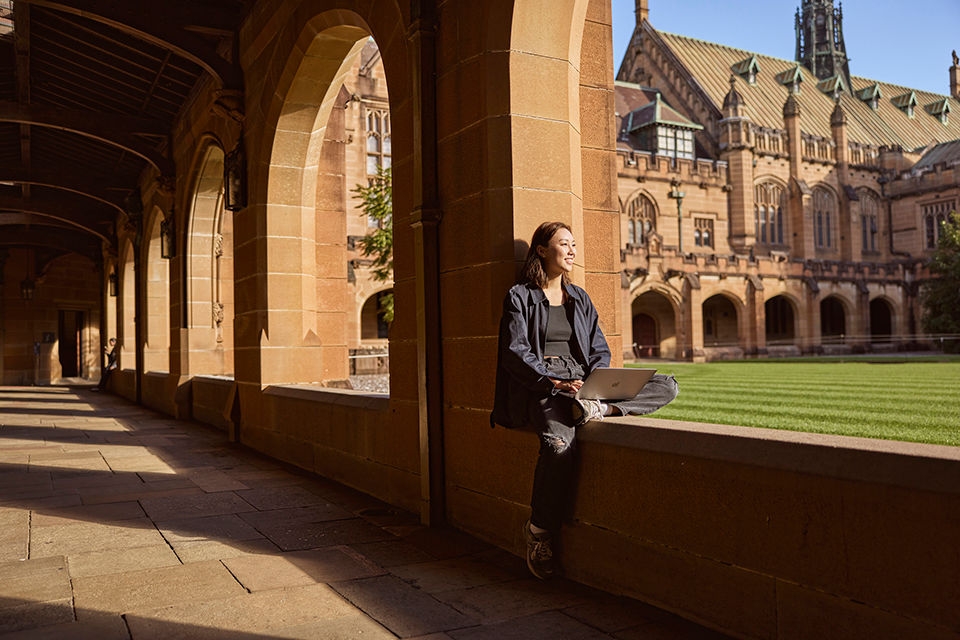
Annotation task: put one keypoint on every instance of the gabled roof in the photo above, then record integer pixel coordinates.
(656, 112)
(636, 106)
(709, 65)
(947, 153)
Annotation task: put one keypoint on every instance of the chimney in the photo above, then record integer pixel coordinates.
(643, 11)
(954, 75)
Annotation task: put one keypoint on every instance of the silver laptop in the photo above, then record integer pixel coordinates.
(614, 383)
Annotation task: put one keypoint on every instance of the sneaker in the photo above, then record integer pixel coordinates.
(540, 553)
(588, 410)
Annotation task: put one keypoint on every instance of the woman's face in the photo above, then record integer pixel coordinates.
(557, 257)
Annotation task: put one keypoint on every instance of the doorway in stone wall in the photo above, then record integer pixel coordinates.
(646, 343)
(70, 339)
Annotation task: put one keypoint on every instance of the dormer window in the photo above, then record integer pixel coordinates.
(906, 102)
(747, 69)
(939, 110)
(871, 95)
(832, 86)
(658, 128)
(791, 78)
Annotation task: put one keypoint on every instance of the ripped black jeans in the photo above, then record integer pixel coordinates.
(552, 418)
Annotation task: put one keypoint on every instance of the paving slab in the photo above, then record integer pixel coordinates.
(549, 624)
(404, 610)
(34, 593)
(297, 536)
(107, 628)
(98, 563)
(150, 588)
(503, 601)
(264, 572)
(199, 550)
(195, 505)
(266, 613)
(224, 528)
(80, 537)
(109, 512)
(465, 572)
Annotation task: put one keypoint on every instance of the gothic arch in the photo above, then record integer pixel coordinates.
(771, 224)
(781, 314)
(209, 266)
(884, 319)
(304, 236)
(639, 215)
(722, 314)
(825, 213)
(156, 275)
(127, 328)
(834, 319)
(654, 324)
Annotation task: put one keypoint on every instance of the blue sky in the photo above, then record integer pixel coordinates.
(890, 40)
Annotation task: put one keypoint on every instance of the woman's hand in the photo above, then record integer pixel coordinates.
(568, 386)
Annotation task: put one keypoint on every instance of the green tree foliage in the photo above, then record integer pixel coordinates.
(941, 295)
(376, 200)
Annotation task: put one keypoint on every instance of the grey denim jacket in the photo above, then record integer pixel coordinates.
(521, 374)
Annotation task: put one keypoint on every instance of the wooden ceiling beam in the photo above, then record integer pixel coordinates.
(160, 24)
(113, 129)
(86, 186)
(59, 209)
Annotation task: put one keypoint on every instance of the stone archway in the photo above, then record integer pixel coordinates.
(780, 323)
(156, 271)
(833, 321)
(881, 321)
(720, 322)
(654, 322)
(209, 263)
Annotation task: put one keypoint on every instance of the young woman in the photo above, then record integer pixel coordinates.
(550, 341)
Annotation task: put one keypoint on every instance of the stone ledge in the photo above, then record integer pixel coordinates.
(327, 395)
(902, 464)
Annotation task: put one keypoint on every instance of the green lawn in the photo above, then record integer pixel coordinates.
(910, 399)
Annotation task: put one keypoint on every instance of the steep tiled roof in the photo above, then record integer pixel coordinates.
(947, 153)
(710, 65)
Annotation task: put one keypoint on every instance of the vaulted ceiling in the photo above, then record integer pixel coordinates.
(89, 93)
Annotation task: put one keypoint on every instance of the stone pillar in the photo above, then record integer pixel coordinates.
(798, 200)
(736, 148)
(849, 239)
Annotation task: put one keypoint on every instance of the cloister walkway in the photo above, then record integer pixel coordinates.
(119, 522)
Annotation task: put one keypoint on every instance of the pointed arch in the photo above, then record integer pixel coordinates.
(209, 267)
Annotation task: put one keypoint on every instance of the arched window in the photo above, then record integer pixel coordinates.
(641, 220)
(378, 140)
(869, 220)
(768, 213)
(824, 217)
(934, 215)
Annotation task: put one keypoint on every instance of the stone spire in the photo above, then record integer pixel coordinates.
(642, 11)
(820, 45)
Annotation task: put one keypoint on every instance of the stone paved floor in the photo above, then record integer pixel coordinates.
(117, 522)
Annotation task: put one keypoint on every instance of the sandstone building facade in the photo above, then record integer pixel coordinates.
(776, 207)
(178, 175)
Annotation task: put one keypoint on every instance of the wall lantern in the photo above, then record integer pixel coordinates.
(168, 239)
(235, 179)
(112, 285)
(678, 195)
(27, 288)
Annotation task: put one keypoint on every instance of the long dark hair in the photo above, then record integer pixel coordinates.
(533, 272)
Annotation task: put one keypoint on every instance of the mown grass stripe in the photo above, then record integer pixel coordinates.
(904, 400)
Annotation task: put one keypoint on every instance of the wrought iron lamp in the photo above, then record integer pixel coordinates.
(168, 239)
(27, 288)
(112, 285)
